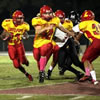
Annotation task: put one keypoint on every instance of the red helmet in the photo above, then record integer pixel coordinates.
(60, 14)
(45, 9)
(87, 15)
(17, 14)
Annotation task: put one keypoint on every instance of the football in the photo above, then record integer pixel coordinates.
(5, 35)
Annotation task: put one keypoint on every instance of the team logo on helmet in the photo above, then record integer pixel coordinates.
(87, 15)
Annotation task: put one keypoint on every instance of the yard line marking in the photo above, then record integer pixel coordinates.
(78, 97)
(24, 97)
(6, 53)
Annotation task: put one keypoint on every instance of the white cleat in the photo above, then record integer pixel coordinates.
(96, 82)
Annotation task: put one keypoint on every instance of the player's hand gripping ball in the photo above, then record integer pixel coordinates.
(5, 35)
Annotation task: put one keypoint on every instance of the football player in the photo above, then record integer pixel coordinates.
(67, 53)
(17, 28)
(91, 29)
(74, 17)
(44, 45)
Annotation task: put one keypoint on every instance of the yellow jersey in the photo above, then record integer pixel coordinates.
(91, 29)
(67, 25)
(16, 31)
(45, 37)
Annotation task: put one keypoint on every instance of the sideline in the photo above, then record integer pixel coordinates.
(6, 53)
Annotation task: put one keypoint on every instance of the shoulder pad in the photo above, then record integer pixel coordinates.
(68, 21)
(7, 20)
(25, 23)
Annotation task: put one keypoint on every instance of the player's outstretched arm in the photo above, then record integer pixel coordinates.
(67, 31)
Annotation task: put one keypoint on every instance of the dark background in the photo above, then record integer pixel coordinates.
(31, 7)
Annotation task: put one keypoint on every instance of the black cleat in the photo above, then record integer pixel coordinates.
(41, 76)
(79, 76)
(48, 74)
(61, 72)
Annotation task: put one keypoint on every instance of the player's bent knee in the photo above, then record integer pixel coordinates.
(23, 59)
(16, 63)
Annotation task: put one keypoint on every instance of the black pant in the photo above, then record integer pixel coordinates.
(68, 55)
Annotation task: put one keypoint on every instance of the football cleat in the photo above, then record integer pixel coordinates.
(79, 76)
(95, 82)
(30, 77)
(84, 78)
(61, 72)
(48, 74)
(41, 76)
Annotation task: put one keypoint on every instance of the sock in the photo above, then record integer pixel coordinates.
(23, 71)
(93, 74)
(87, 71)
(50, 68)
(42, 63)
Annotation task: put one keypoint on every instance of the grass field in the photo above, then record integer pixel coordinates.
(13, 78)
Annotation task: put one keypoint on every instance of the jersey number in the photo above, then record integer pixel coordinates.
(97, 29)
